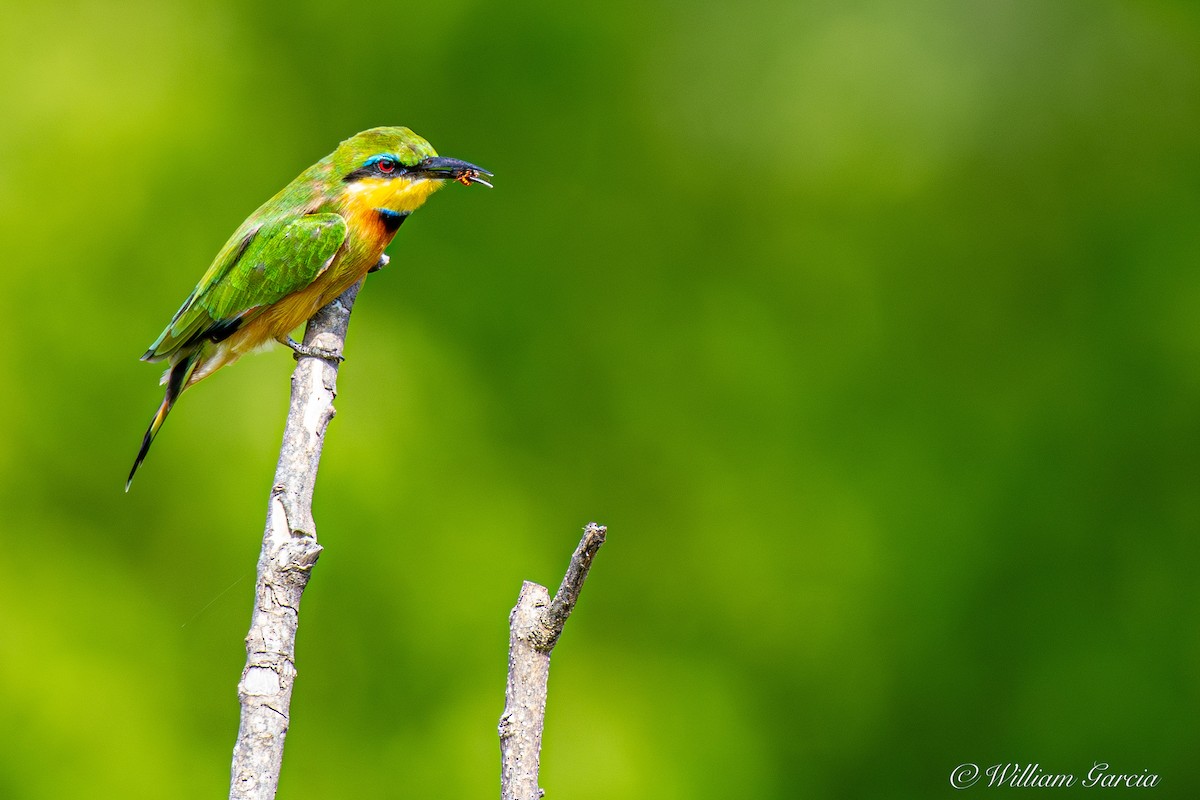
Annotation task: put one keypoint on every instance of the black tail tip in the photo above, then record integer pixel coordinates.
(141, 456)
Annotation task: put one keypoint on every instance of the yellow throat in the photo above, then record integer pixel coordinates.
(394, 194)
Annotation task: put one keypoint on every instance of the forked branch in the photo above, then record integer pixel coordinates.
(534, 627)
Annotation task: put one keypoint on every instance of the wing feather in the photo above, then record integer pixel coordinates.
(253, 272)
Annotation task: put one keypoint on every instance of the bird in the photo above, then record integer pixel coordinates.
(317, 237)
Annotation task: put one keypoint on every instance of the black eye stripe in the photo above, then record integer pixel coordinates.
(381, 166)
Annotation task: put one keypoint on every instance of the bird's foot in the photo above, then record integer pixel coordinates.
(315, 352)
(380, 264)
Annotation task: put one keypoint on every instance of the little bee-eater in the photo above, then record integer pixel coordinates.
(305, 246)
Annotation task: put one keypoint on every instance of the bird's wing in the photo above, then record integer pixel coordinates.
(249, 274)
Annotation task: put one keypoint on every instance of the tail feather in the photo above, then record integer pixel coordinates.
(177, 378)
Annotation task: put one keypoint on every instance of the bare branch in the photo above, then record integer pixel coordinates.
(289, 551)
(534, 627)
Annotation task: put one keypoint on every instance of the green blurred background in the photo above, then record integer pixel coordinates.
(869, 329)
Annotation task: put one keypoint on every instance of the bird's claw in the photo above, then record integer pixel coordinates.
(299, 350)
(380, 264)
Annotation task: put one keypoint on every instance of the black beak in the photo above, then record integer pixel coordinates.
(450, 169)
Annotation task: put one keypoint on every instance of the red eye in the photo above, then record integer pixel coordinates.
(386, 165)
